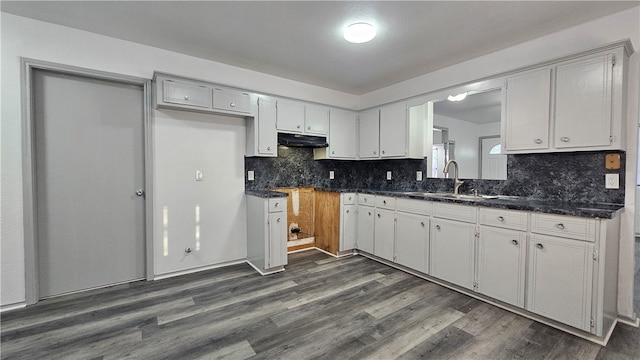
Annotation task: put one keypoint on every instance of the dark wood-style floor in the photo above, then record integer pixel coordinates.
(320, 307)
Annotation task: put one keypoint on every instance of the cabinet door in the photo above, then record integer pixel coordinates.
(290, 116)
(393, 131)
(342, 134)
(369, 134)
(365, 226)
(583, 102)
(452, 253)
(277, 243)
(526, 110)
(316, 120)
(501, 264)
(560, 280)
(230, 100)
(184, 93)
(348, 233)
(384, 234)
(267, 136)
(412, 241)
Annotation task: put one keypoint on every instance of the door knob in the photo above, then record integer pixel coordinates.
(140, 192)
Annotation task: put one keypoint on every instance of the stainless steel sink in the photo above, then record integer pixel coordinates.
(455, 196)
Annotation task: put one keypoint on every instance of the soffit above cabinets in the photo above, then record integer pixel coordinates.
(302, 40)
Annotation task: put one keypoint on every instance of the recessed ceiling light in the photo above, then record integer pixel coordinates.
(458, 97)
(359, 32)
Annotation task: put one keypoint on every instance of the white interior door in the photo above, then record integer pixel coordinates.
(89, 152)
(494, 164)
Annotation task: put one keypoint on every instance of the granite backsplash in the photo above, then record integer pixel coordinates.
(573, 177)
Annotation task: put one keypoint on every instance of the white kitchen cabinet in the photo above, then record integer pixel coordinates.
(412, 240)
(452, 251)
(348, 222)
(393, 131)
(365, 227)
(501, 264)
(183, 93)
(231, 100)
(316, 121)
(384, 233)
(526, 102)
(290, 116)
(583, 102)
(342, 135)
(262, 137)
(267, 233)
(369, 134)
(560, 279)
(573, 105)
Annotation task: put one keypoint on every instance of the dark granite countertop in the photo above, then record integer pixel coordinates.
(266, 193)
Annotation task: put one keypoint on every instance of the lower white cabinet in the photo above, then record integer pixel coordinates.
(348, 219)
(452, 251)
(412, 241)
(384, 233)
(501, 264)
(560, 279)
(365, 226)
(267, 235)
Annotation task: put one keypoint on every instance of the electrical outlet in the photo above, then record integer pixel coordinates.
(250, 175)
(418, 175)
(332, 175)
(612, 181)
(388, 175)
(199, 175)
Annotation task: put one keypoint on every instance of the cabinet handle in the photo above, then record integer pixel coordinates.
(347, 211)
(369, 213)
(500, 218)
(374, 153)
(268, 147)
(349, 197)
(276, 205)
(298, 127)
(560, 226)
(232, 104)
(365, 199)
(333, 152)
(539, 246)
(564, 139)
(308, 127)
(514, 242)
(422, 223)
(438, 227)
(379, 216)
(384, 202)
(382, 151)
(278, 220)
(186, 97)
(538, 141)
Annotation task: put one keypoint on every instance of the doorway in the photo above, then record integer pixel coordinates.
(88, 145)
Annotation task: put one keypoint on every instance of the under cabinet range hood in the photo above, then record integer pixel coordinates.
(298, 140)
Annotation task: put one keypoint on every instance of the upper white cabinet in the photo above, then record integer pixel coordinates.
(290, 116)
(393, 131)
(369, 134)
(316, 120)
(569, 106)
(231, 100)
(184, 93)
(342, 135)
(262, 138)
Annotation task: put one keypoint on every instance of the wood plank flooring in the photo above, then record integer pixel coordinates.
(319, 308)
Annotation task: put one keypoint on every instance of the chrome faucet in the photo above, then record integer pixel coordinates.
(456, 182)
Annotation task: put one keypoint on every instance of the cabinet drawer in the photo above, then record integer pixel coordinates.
(565, 226)
(455, 212)
(414, 206)
(366, 199)
(508, 219)
(277, 204)
(186, 94)
(385, 202)
(231, 100)
(348, 198)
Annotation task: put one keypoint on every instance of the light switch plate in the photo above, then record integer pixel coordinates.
(612, 181)
(332, 175)
(250, 175)
(388, 175)
(199, 175)
(418, 175)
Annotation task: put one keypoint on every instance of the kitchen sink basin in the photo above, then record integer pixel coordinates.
(455, 196)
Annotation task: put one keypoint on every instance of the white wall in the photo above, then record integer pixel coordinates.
(22, 37)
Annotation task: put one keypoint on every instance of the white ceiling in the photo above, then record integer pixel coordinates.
(302, 40)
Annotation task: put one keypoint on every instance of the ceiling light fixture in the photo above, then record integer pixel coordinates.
(458, 97)
(359, 32)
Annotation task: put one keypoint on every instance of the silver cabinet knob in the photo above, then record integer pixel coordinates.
(365, 199)
(369, 213)
(232, 104)
(308, 127)
(560, 226)
(140, 192)
(384, 202)
(186, 97)
(349, 197)
(438, 227)
(422, 223)
(297, 126)
(538, 141)
(539, 246)
(382, 151)
(276, 204)
(375, 152)
(333, 152)
(379, 216)
(347, 211)
(564, 139)
(278, 220)
(187, 250)
(500, 218)
(268, 147)
(514, 242)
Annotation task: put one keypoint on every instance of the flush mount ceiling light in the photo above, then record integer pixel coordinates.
(458, 97)
(359, 32)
